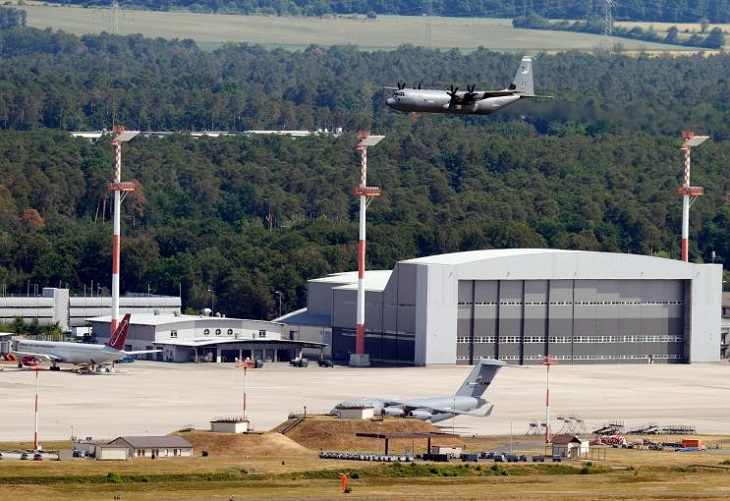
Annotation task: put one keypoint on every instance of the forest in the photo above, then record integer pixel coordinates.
(669, 11)
(595, 167)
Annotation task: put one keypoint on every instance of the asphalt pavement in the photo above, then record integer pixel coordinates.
(156, 398)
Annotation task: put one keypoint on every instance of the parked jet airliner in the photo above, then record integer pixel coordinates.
(469, 101)
(31, 352)
(435, 409)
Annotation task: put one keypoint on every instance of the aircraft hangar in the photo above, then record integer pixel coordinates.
(520, 305)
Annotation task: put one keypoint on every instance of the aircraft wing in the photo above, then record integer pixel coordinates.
(141, 352)
(39, 356)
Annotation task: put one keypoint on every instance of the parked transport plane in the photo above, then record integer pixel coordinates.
(31, 352)
(435, 409)
(469, 101)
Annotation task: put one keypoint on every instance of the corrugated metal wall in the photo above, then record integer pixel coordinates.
(577, 321)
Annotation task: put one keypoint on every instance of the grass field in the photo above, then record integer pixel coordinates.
(385, 32)
(607, 474)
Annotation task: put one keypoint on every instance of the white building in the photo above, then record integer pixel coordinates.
(193, 338)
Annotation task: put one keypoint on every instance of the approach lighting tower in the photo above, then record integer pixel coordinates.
(547, 361)
(689, 193)
(118, 187)
(360, 358)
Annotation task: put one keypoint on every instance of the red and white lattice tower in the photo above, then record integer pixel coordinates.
(360, 358)
(689, 193)
(118, 187)
(547, 361)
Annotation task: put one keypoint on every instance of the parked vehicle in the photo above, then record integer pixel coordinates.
(300, 362)
(25, 456)
(326, 362)
(258, 363)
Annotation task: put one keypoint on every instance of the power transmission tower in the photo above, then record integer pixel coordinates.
(114, 17)
(608, 25)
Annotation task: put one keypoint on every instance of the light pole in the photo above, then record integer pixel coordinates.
(245, 365)
(118, 187)
(547, 361)
(212, 302)
(360, 358)
(278, 296)
(35, 430)
(689, 193)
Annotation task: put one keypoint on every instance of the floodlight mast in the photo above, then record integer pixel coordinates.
(360, 358)
(117, 186)
(689, 193)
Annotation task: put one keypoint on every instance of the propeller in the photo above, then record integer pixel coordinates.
(470, 94)
(452, 93)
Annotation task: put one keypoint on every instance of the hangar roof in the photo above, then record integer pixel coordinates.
(540, 264)
(374, 279)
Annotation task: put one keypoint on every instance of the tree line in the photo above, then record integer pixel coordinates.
(713, 39)
(240, 217)
(670, 11)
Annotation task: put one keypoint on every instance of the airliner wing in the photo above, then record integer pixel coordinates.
(141, 352)
(39, 356)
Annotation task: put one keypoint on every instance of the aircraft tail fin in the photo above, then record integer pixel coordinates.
(522, 83)
(120, 335)
(480, 378)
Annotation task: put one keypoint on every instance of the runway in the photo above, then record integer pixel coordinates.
(156, 398)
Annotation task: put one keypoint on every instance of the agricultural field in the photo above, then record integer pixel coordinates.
(382, 33)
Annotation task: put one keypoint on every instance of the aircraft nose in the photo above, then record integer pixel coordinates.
(390, 101)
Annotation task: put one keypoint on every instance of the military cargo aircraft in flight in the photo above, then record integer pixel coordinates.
(32, 352)
(435, 409)
(469, 101)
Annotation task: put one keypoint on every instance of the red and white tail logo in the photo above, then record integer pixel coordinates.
(117, 339)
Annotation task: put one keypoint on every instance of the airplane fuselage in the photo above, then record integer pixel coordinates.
(432, 409)
(72, 353)
(439, 101)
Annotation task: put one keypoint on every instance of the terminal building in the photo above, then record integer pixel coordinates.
(201, 338)
(520, 305)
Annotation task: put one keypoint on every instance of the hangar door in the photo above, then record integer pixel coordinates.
(579, 321)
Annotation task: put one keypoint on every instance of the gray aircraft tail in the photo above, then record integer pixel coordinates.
(480, 378)
(522, 83)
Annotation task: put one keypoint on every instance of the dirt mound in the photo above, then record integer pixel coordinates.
(243, 444)
(334, 434)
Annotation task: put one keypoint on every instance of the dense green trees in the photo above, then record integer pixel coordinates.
(238, 217)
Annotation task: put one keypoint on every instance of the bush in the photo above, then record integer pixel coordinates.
(113, 478)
